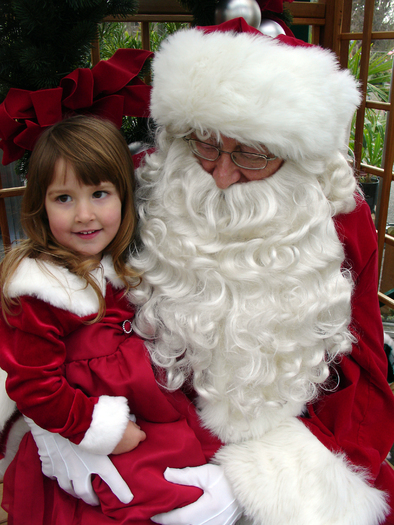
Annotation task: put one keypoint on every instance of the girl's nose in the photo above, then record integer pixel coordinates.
(225, 172)
(84, 212)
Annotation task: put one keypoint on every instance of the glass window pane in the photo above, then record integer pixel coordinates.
(383, 18)
(357, 20)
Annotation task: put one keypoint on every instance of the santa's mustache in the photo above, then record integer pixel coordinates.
(188, 198)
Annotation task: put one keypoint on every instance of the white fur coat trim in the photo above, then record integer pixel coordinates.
(289, 477)
(109, 421)
(59, 287)
(295, 100)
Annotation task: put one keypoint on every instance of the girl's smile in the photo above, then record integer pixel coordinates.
(82, 218)
(89, 234)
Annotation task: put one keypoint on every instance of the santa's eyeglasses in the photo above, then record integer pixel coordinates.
(242, 159)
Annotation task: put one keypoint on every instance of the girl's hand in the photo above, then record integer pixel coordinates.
(132, 436)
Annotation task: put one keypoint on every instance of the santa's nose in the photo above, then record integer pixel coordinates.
(225, 173)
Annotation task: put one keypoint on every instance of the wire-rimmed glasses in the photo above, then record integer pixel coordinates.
(242, 159)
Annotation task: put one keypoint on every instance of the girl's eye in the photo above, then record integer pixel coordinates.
(63, 198)
(100, 194)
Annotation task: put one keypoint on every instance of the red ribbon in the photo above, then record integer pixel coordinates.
(111, 90)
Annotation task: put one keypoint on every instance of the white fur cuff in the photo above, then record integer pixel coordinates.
(109, 421)
(288, 476)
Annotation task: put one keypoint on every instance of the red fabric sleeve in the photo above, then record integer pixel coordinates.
(357, 418)
(32, 354)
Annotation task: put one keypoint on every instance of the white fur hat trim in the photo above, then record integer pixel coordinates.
(295, 100)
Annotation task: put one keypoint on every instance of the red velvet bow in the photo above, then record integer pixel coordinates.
(111, 89)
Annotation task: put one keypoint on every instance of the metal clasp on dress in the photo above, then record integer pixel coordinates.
(127, 326)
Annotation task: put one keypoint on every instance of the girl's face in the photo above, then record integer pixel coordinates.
(82, 218)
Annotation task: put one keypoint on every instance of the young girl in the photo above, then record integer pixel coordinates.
(74, 365)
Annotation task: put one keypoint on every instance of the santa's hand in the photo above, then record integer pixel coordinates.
(73, 467)
(217, 506)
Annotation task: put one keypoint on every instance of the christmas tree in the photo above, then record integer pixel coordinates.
(42, 41)
(203, 11)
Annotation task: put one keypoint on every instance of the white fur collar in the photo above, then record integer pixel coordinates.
(59, 287)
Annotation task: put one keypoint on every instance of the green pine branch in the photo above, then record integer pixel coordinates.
(42, 41)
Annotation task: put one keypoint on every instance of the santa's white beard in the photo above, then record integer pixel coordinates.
(242, 288)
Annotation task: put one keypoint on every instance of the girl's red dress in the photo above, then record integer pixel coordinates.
(100, 359)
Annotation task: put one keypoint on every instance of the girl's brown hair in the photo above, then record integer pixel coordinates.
(98, 153)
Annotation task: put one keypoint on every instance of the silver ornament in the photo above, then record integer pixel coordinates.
(271, 28)
(247, 9)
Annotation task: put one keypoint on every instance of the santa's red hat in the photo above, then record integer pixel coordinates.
(231, 79)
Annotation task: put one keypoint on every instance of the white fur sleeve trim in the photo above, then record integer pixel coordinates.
(289, 476)
(109, 421)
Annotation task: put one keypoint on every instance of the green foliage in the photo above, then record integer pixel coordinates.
(379, 72)
(373, 137)
(160, 32)
(41, 41)
(136, 130)
(378, 89)
(115, 35)
(203, 11)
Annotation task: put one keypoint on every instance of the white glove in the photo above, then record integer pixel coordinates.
(73, 467)
(217, 506)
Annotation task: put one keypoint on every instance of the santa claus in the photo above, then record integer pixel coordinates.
(259, 284)
(259, 287)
